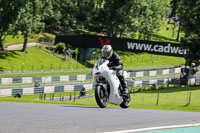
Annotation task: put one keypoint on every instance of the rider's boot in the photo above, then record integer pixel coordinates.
(123, 83)
(124, 89)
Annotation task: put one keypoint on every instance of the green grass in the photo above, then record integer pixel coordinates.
(164, 35)
(131, 59)
(37, 58)
(169, 99)
(19, 39)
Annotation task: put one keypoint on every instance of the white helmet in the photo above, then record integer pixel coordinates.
(107, 51)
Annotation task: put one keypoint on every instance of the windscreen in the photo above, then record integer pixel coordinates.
(100, 61)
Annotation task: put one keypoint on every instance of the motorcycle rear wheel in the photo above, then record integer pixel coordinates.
(101, 97)
(126, 101)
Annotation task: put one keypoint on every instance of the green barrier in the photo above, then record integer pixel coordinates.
(37, 79)
(38, 90)
(78, 87)
(89, 77)
(145, 83)
(56, 79)
(59, 88)
(197, 81)
(130, 83)
(146, 73)
(172, 70)
(132, 74)
(93, 87)
(159, 72)
(73, 78)
(160, 82)
(17, 80)
(16, 91)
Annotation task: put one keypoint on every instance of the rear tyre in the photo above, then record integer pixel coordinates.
(100, 96)
(126, 101)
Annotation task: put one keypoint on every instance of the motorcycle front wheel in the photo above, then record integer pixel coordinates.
(126, 101)
(100, 96)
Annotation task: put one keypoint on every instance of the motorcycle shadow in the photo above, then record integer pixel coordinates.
(79, 106)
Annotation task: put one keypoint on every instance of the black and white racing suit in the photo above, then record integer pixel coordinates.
(116, 64)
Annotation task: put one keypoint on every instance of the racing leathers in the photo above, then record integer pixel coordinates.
(116, 64)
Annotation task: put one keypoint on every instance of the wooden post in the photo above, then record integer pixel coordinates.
(158, 98)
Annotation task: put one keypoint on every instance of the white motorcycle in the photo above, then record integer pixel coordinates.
(107, 86)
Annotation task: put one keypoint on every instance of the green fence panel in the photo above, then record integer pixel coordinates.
(17, 80)
(197, 80)
(172, 70)
(56, 79)
(130, 83)
(37, 79)
(59, 88)
(78, 87)
(85, 53)
(132, 74)
(16, 91)
(159, 72)
(73, 78)
(145, 83)
(146, 73)
(160, 82)
(93, 86)
(89, 77)
(38, 90)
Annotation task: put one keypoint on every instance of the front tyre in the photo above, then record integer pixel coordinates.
(126, 101)
(100, 96)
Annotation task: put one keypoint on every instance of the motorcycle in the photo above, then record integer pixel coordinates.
(107, 86)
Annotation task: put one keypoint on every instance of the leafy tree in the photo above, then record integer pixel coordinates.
(78, 14)
(112, 17)
(149, 15)
(189, 14)
(120, 18)
(9, 10)
(29, 20)
(173, 16)
(51, 14)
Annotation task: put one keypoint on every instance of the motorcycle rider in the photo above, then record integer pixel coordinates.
(115, 63)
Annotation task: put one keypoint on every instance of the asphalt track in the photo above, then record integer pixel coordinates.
(52, 118)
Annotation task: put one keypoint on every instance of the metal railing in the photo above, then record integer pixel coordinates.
(79, 70)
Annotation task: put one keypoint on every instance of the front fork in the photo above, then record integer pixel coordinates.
(105, 90)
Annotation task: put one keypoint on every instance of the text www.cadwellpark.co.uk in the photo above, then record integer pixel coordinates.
(168, 49)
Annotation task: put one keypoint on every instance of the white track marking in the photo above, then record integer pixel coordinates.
(154, 128)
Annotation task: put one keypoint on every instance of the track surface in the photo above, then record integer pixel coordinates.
(52, 118)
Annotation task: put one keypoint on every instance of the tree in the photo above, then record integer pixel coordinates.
(9, 10)
(51, 13)
(173, 16)
(149, 15)
(189, 16)
(111, 17)
(29, 20)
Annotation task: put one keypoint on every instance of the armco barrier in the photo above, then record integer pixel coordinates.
(49, 79)
(88, 86)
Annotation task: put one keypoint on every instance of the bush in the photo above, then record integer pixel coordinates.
(60, 47)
